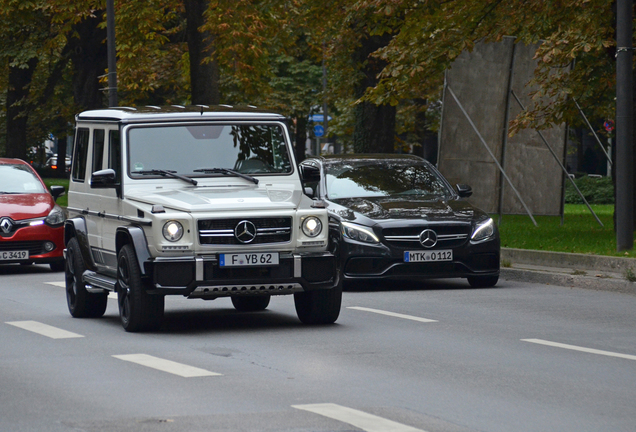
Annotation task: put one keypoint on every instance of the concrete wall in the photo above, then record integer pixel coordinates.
(480, 81)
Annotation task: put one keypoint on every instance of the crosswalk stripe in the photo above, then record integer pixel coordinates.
(392, 314)
(166, 365)
(578, 348)
(360, 419)
(44, 329)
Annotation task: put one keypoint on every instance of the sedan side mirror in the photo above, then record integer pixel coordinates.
(57, 191)
(464, 190)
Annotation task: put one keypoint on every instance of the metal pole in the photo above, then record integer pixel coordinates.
(450, 90)
(112, 53)
(556, 158)
(624, 145)
(504, 141)
(609, 159)
(325, 114)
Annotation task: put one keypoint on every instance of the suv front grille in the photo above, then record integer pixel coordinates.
(222, 231)
(448, 236)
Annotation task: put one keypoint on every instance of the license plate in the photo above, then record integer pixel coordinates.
(14, 255)
(248, 259)
(428, 256)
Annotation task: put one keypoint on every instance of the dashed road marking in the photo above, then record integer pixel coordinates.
(44, 329)
(360, 419)
(392, 314)
(578, 348)
(166, 365)
(57, 284)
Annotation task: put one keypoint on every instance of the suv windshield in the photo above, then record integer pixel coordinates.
(194, 150)
(365, 179)
(19, 179)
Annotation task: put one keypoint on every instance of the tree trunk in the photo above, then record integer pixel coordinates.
(17, 109)
(300, 138)
(204, 70)
(374, 130)
(89, 57)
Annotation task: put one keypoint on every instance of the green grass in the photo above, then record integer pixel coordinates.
(63, 200)
(580, 232)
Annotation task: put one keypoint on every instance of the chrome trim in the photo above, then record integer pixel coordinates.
(298, 268)
(416, 238)
(214, 291)
(198, 266)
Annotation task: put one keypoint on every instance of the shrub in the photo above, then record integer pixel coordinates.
(595, 190)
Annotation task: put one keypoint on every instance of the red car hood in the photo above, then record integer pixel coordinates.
(25, 206)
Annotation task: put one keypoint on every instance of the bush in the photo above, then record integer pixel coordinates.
(595, 190)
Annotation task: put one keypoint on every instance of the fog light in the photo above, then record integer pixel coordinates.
(49, 246)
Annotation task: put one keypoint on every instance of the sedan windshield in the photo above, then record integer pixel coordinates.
(365, 179)
(19, 179)
(206, 149)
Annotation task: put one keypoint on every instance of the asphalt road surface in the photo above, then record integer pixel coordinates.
(402, 357)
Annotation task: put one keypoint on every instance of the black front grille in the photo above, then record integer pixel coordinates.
(448, 236)
(34, 247)
(268, 230)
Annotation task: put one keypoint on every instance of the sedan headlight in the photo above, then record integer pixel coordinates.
(55, 217)
(311, 226)
(173, 231)
(359, 233)
(483, 231)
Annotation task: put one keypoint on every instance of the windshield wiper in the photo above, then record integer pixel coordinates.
(167, 173)
(7, 193)
(227, 171)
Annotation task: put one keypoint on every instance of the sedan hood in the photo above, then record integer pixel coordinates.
(408, 208)
(204, 198)
(25, 206)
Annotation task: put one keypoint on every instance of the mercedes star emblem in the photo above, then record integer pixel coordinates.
(245, 231)
(428, 238)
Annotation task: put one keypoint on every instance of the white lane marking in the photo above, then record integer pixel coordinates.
(578, 348)
(44, 329)
(166, 365)
(393, 314)
(360, 419)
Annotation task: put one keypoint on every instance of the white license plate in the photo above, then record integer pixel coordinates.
(428, 256)
(14, 255)
(248, 259)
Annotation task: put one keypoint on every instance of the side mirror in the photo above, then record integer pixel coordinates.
(309, 173)
(57, 191)
(104, 179)
(464, 191)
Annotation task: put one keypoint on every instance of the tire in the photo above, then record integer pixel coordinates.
(57, 266)
(138, 310)
(483, 281)
(250, 304)
(319, 306)
(81, 303)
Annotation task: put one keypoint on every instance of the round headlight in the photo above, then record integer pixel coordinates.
(312, 226)
(173, 231)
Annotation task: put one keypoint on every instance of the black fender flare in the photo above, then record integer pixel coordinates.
(76, 227)
(136, 237)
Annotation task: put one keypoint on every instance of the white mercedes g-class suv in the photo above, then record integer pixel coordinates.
(203, 202)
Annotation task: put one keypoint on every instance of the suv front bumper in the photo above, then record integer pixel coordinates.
(203, 277)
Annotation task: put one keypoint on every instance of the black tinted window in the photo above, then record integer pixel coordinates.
(80, 155)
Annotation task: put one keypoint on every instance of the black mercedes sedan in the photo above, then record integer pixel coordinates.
(396, 217)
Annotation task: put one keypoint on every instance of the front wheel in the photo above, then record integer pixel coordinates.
(319, 306)
(483, 281)
(250, 304)
(81, 303)
(138, 310)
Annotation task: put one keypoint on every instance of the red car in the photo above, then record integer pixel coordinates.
(31, 224)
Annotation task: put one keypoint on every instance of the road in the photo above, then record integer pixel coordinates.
(402, 357)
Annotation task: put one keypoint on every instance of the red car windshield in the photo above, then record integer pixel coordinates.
(19, 179)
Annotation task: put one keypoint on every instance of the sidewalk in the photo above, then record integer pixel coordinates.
(568, 269)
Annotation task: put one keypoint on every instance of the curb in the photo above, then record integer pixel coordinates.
(601, 273)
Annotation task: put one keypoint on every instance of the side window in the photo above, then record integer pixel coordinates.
(114, 152)
(81, 153)
(98, 149)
